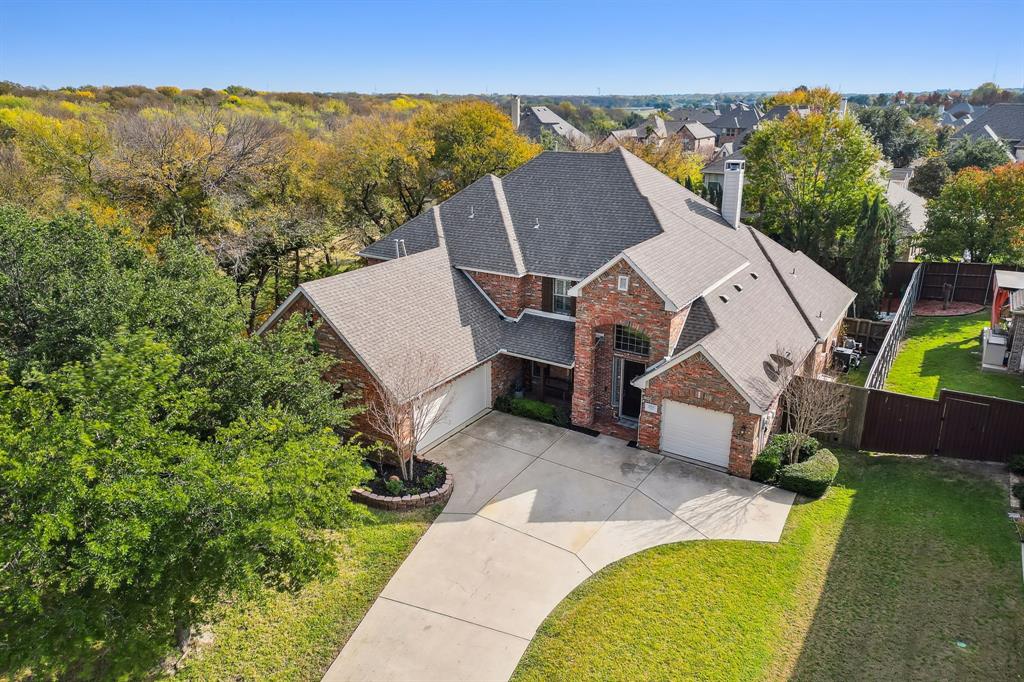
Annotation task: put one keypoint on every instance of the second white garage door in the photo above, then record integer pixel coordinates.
(696, 433)
(470, 394)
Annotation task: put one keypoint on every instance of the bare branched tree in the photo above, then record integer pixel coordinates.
(813, 404)
(400, 411)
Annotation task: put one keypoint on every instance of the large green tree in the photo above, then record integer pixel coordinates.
(896, 133)
(807, 179)
(979, 214)
(929, 177)
(154, 458)
(982, 152)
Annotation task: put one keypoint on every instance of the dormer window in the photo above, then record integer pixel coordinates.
(623, 283)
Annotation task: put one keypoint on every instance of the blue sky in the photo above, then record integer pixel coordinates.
(527, 47)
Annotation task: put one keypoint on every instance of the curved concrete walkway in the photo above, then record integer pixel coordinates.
(536, 510)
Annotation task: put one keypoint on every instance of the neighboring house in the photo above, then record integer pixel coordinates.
(734, 123)
(696, 136)
(781, 111)
(693, 135)
(532, 120)
(594, 282)
(704, 116)
(713, 174)
(1003, 122)
(917, 217)
(961, 109)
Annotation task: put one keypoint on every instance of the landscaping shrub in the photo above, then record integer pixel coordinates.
(768, 461)
(1017, 465)
(534, 409)
(503, 403)
(812, 477)
(1018, 491)
(776, 453)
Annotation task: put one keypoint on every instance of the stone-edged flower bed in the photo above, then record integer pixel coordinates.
(376, 494)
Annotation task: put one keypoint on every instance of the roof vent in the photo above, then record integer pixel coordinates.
(737, 287)
(754, 275)
(819, 315)
(725, 299)
(472, 212)
(536, 225)
(793, 272)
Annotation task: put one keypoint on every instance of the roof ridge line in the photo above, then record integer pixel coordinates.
(782, 280)
(506, 220)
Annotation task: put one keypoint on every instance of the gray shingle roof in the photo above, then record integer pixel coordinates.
(569, 214)
(541, 338)
(702, 115)
(736, 118)
(718, 165)
(534, 119)
(415, 306)
(1005, 120)
(420, 234)
(917, 208)
(698, 130)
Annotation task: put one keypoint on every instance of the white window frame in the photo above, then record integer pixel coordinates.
(623, 283)
(561, 297)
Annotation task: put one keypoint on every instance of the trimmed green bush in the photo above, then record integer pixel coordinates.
(534, 409)
(812, 477)
(807, 448)
(766, 464)
(503, 403)
(1017, 465)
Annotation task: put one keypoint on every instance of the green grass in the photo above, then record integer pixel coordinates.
(945, 352)
(296, 636)
(877, 580)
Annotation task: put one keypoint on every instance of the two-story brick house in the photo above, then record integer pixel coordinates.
(596, 282)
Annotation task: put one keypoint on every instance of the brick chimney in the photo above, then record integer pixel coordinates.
(732, 191)
(516, 110)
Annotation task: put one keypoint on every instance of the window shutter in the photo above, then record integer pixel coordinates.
(546, 295)
(572, 309)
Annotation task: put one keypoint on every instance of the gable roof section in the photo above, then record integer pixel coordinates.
(698, 130)
(415, 305)
(1004, 120)
(534, 119)
(420, 234)
(917, 208)
(822, 298)
(477, 231)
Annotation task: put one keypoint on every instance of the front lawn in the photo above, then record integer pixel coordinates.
(881, 579)
(297, 636)
(945, 352)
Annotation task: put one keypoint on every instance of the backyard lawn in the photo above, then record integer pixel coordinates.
(295, 637)
(945, 352)
(908, 569)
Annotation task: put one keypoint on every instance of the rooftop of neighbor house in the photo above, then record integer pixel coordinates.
(533, 119)
(570, 215)
(1005, 121)
(1017, 302)
(917, 207)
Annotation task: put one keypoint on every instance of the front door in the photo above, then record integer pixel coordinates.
(630, 403)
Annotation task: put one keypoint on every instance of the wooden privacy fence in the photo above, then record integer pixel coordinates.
(970, 282)
(897, 330)
(961, 425)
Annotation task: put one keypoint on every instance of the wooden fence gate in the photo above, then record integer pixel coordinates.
(961, 425)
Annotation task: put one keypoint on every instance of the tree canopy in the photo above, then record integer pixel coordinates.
(807, 177)
(979, 214)
(900, 139)
(154, 459)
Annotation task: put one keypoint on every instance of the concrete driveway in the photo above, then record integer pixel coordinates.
(536, 510)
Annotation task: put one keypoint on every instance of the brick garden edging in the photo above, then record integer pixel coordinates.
(406, 502)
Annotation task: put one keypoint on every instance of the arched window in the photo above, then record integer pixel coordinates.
(629, 340)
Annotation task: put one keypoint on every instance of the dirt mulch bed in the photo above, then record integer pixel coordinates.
(421, 468)
(929, 308)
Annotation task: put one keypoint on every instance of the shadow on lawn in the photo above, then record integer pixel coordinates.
(925, 580)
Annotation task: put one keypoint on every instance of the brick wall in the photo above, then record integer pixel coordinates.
(695, 381)
(373, 261)
(600, 307)
(507, 292)
(506, 372)
(348, 373)
(512, 295)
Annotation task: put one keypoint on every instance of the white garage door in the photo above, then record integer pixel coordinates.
(696, 433)
(465, 397)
